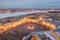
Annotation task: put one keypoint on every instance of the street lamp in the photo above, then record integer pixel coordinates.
(30, 27)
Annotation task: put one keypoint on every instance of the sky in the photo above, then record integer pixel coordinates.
(29, 3)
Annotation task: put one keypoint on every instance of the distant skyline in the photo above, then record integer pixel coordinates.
(30, 4)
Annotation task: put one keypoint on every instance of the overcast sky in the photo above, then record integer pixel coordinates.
(29, 3)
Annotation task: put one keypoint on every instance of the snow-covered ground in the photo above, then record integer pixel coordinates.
(4, 15)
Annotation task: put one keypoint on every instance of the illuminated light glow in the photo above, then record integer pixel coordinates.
(31, 27)
(35, 37)
(44, 23)
(21, 22)
(48, 24)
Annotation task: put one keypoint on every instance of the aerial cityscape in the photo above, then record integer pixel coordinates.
(29, 19)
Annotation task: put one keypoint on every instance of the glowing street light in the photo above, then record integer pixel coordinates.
(30, 27)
